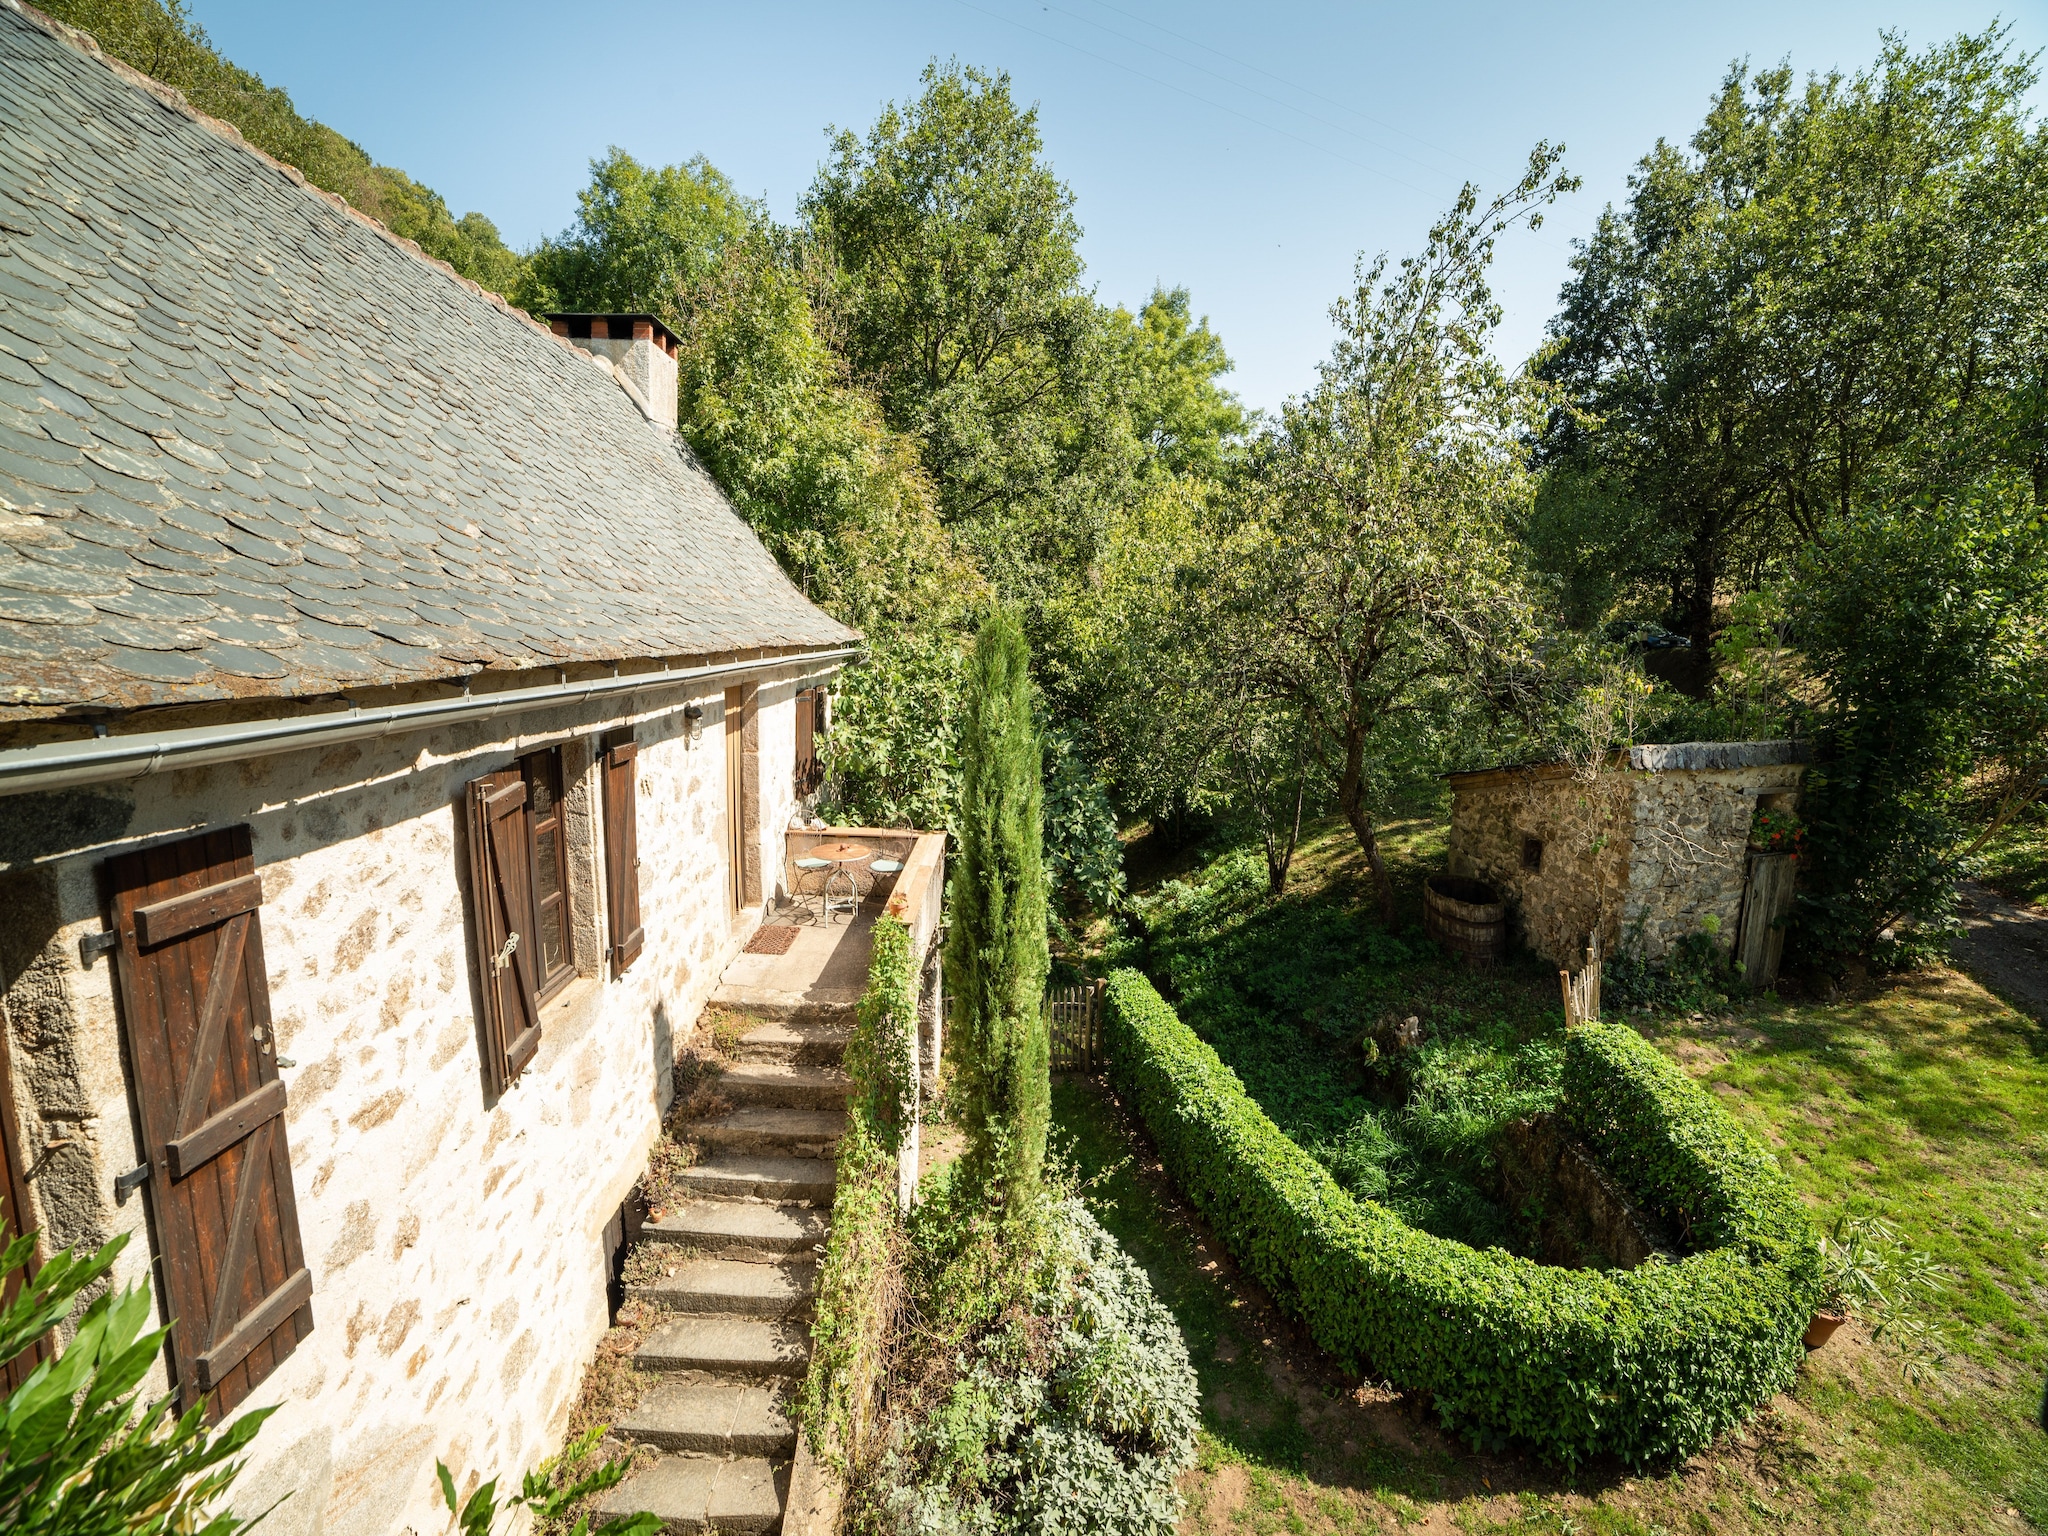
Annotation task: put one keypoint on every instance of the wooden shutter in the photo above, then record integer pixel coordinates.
(622, 851)
(501, 892)
(197, 1004)
(14, 1219)
(806, 741)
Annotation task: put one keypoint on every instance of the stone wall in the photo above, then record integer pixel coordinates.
(1645, 856)
(455, 1242)
(1585, 830)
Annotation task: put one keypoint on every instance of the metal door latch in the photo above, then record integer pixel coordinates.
(503, 957)
(126, 1184)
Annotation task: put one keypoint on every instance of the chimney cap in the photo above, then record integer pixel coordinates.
(620, 326)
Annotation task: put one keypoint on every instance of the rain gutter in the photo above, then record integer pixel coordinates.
(104, 759)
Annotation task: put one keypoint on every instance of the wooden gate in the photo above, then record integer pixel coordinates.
(1075, 1017)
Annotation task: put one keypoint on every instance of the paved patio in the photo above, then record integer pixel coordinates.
(826, 967)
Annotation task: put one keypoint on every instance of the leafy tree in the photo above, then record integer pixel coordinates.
(1186, 420)
(959, 301)
(1083, 853)
(643, 239)
(1838, 294)
(996, 954)
(160, 39)
(892, 757)
(1374, 587)
(1927, 622)
(76, 1457)
(840, 499)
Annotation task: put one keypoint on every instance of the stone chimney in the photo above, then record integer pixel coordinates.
(641, 351)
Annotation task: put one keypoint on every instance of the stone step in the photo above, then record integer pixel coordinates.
(741, 1348)
(730, 1288)
(813, 1005)
(737, 1176)
(741, 1229)
(797, 1044)
(774, 1132)
(714, 1419)
(781, 1085)
(743, 1495)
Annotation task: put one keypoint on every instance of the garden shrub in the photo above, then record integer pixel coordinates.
(860, 1279)
(1075, 1413)
(1646, 1364)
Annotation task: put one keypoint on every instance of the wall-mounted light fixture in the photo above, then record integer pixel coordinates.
(693, 721)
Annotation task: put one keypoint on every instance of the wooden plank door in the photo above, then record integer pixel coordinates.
(196, 1001)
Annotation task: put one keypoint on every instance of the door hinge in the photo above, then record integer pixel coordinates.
(91, 944)
(125, 1184)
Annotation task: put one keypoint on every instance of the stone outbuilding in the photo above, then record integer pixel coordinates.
(398, 729)
(1651, 848)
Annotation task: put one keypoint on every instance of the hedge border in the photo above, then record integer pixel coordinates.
(1648, 1364)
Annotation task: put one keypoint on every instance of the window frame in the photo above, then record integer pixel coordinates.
(534, 766)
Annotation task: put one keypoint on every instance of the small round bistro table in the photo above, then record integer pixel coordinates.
(841, 856)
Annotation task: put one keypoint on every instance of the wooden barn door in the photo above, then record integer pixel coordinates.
(197, 1006)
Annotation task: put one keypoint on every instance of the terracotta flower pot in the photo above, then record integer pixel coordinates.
(1823, 1327)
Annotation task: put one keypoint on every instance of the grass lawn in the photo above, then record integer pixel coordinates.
(1921, 1097)
(2016, 860)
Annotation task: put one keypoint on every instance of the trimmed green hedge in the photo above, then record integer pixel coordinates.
(1646, 1364)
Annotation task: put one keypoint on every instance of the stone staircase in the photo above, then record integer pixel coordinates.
(743, 1252)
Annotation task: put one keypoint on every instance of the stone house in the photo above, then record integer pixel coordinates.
(398, 734)
(1653, 847)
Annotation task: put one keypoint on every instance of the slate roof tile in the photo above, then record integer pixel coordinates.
(262, 434)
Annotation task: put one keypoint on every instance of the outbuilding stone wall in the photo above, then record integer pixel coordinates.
(455, 1240)
(1648, 850)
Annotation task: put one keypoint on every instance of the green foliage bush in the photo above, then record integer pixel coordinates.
(861, 1276)
(1645, 1365)
(1075, 1413)
(76, 1457)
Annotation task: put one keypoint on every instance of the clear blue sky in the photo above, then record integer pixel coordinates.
(1247, 152)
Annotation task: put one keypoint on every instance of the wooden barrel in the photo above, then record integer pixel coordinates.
(1467, 918)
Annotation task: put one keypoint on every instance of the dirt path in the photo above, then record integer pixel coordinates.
(2005, 946)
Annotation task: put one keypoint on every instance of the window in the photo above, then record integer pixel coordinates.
(1532, 854)
(549, 840)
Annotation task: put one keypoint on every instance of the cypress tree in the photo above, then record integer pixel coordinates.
(996, 956)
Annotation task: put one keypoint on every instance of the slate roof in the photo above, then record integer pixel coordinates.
(252, 444)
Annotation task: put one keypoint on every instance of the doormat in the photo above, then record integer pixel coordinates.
(772, 941)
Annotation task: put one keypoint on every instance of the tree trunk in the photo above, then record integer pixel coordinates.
(1351, 796)
(1280, 856)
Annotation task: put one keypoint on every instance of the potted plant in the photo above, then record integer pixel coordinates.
(1868, 1272)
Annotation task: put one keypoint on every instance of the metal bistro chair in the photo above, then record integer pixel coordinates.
(814, 878)
(880, 867)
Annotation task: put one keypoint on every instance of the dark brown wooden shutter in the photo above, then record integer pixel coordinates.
(15, 1219)
(806, 736)
(196, 1000)
(501, 891)
(622, 851)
